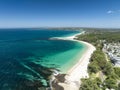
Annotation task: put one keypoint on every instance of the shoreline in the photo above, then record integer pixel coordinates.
(79, 70)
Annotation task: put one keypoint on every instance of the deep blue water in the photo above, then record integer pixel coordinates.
(21, 56)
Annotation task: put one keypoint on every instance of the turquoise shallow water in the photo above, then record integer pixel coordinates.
(65, 60)
(26, 57)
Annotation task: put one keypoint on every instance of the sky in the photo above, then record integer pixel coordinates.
(59, 13)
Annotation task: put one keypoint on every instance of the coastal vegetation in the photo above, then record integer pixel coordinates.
(102, 73)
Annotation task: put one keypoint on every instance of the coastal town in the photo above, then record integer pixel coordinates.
(113, 52)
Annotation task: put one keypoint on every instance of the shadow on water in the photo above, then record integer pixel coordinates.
(23, 76)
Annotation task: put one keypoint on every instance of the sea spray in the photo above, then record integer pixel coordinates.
(52, 77)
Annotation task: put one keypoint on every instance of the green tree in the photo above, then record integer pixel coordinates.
(108, 69)
(89, 84)
(110, 83)
(93, 67)
(113, 76)
(117, 71)
(98, 81)
(119, 86)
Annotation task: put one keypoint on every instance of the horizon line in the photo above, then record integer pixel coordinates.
(50, 27)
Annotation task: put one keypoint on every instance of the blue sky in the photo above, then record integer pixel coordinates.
(59, 13)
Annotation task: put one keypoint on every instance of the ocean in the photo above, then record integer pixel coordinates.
(28, 56)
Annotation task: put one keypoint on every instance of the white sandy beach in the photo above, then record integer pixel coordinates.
(79, 70)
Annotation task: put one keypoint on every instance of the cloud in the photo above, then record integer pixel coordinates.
(113, 12)
(110, 12)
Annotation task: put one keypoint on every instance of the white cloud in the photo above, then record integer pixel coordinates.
(115, 12)
(110, 12)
